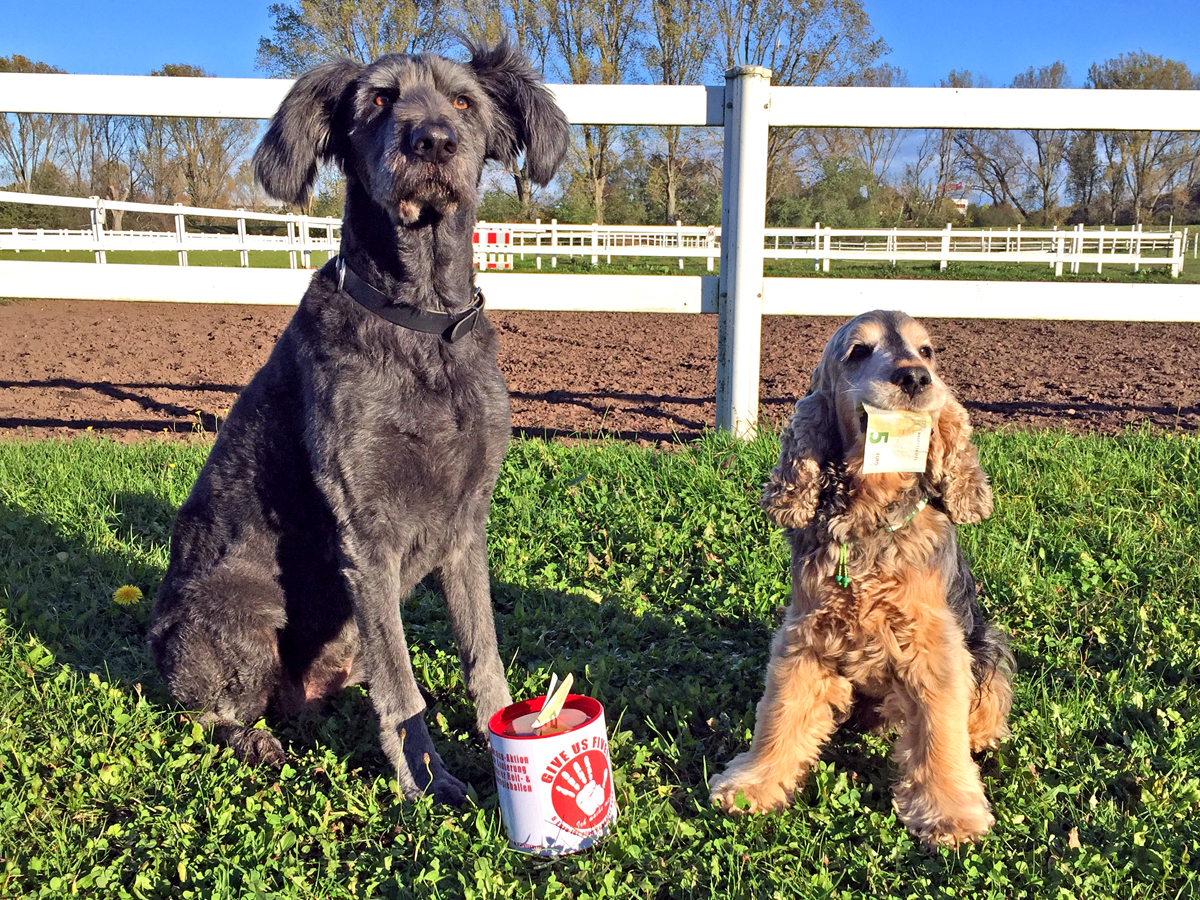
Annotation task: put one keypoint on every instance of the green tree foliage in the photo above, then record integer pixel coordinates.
(847, 195)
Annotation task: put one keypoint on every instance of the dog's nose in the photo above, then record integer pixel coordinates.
(912, 379)
(433, 143)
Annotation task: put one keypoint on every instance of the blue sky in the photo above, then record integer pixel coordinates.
(928, 39)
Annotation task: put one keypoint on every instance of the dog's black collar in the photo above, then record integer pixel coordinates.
(450, 326)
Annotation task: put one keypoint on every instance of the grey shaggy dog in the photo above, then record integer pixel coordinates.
(362, 456)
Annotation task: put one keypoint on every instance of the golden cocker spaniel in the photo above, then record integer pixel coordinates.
(884, 613)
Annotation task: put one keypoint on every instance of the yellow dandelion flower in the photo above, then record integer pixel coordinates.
(127, 595)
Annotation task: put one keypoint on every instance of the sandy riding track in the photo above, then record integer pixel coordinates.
(133, 370)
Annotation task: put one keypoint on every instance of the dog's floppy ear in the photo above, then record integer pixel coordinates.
(811, 437)
(954, 467)
(308, 128)
(529, 119)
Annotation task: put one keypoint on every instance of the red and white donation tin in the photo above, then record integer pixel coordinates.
(555, 783)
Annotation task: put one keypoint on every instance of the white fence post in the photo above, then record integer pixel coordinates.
(945, 248)
(743, 217)
(98, 229)
(291, 239)
(243, 254)
(305, 250)
(181, 234)
(710, 242)
(554, 243)
(1177, 255)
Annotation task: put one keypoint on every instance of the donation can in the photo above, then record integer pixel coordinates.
(556, 789)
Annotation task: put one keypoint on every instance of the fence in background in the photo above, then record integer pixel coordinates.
(303, 234)
(496, 244)
(745, 107)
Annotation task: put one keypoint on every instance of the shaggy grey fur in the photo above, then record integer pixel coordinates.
(362, 456)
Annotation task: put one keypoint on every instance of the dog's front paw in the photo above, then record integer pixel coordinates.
(447, 790)
(429, 776)
(948, 821)
(253, 746)
(736, 791)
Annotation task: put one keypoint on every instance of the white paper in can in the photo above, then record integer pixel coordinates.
(556, 790)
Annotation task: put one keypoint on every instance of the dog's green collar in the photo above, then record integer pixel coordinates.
(842, 575)
(450, 326)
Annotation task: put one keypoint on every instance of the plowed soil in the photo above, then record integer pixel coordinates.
(138, 370)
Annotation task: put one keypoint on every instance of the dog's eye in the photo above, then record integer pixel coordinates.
(926, 352)
(858, 353)
(383, 99)
(461, 102)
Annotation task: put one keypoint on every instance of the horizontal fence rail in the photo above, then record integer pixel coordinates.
(745, 107)
(623, 104)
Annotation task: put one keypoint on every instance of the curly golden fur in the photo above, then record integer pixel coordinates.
(905, 642)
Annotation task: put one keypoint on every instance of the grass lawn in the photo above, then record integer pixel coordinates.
(658, 266)
(656, 580)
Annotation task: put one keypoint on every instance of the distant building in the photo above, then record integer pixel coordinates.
(960, 203)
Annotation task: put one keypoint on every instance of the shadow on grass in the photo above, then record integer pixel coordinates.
(684, 684)
(687, 684)
(58, 588)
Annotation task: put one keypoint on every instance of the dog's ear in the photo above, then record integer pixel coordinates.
(809, 439)
(529, 119)
(309, 128)
(954, 467)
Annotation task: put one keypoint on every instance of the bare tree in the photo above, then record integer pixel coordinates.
(529, 22)
(936, 162)
(95, 151)
(596, 40)
(991, 159)
(307, 32)
(1043, 169)
(1147, 163)
(113, 173)
(205, 152)
(153, 160)
(28, 140)
(682, 34)
(1083, 169)
(819, 42)
(876, 148)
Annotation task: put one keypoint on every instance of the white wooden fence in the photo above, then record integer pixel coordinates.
(745, 107)
(304, 234)
(497, 243)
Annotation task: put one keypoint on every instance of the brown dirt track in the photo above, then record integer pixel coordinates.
(133, 370)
